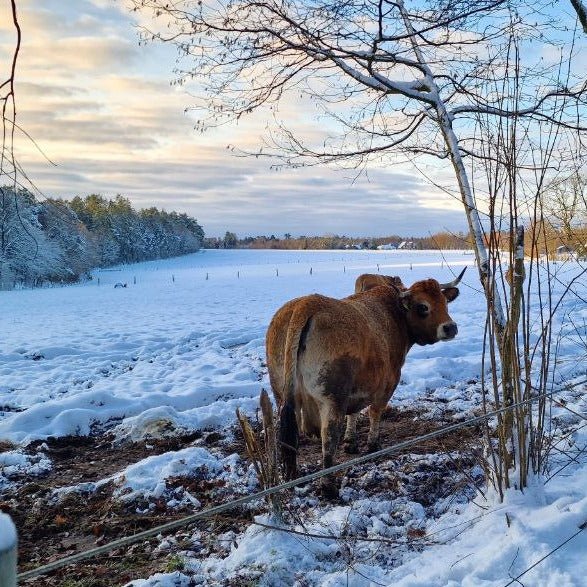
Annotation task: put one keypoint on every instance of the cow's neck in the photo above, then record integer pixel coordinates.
(399, 331)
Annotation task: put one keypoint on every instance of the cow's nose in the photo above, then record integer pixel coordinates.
(450, 329)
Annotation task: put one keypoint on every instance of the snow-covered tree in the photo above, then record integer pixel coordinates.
(63, 227)
(27, 255)
(57, 241)
(124, 235)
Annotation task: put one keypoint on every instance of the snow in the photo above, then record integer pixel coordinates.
(177, 339)
(496, 551)
(15, 464)
(182, 347)
(148, 479)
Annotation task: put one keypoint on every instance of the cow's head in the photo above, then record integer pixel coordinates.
(394, 281)
(425, 304)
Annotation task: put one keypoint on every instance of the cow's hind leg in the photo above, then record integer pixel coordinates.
(332, 390)
(331, 432)
(375, 412)
(351, 445)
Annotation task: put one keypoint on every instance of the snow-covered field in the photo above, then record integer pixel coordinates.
(182, 346)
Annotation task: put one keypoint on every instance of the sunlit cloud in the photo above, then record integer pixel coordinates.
(102, 108)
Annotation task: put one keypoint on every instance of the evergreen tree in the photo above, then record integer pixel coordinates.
(61, 241)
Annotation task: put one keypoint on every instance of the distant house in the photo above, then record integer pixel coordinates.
(387, 247)
(406, 245)
(566, 252)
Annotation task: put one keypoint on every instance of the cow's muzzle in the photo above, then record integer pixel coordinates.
(447, 331)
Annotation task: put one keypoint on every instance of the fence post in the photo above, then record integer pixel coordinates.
(8, 541)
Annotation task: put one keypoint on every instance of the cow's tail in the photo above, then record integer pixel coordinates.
(288, 424)
(288, 437)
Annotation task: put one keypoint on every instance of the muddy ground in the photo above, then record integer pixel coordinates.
(51, 529)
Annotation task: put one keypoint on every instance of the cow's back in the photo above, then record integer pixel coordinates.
(275, 347)
(368, 281)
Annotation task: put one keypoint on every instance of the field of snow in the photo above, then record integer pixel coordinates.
(182, 346)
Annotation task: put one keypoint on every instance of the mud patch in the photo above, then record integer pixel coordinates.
(435, 472)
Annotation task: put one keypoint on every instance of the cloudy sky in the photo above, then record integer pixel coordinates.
(103, 110)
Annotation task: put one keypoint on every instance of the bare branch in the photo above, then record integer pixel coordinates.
(581, 11)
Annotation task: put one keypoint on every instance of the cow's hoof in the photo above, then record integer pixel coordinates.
(373, 447)
(351, 447)
(329, 490)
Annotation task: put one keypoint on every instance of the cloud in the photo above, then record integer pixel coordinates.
(246, 197)
(80, 55)
(29, 88)
(103, 110)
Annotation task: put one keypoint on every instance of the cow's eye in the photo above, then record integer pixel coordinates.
(422, 310)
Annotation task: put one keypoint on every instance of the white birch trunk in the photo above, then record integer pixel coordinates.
(467, 197)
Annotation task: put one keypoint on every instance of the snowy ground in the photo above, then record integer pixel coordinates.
(183, 345)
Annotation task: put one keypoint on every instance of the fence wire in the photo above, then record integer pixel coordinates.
(213, 511)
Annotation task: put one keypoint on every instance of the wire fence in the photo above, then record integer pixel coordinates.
(517, 578)
(214, 511)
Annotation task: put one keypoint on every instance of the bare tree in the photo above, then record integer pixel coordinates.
(393, 78)
(8, 169)
(399, 79)
(566, 204)
(8, 102)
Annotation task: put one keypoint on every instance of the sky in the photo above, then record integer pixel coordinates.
(108, 119)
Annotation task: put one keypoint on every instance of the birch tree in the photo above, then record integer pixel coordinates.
(390, 80)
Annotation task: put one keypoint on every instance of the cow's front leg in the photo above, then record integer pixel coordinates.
(375, 412)
(350, 436)
(331, 432)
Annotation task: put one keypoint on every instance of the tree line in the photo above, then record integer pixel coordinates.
(560, 227)
(441, 240)
(59, 241)
(547, 236)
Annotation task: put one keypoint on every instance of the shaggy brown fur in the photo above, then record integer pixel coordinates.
(330, 358)
(371, 280)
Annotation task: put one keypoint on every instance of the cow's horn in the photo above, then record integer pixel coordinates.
(403, 294)
(454, 282)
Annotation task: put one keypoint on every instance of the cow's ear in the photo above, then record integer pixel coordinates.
(405, 301)
(451, 293)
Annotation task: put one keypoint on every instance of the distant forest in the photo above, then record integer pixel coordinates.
(58, 241)
(441, 240)
(564, 233)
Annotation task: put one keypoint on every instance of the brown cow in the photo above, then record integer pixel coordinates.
(371, 280)
(330, 358)
(276, 342)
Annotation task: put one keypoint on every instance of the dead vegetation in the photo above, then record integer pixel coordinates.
(51, 528)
